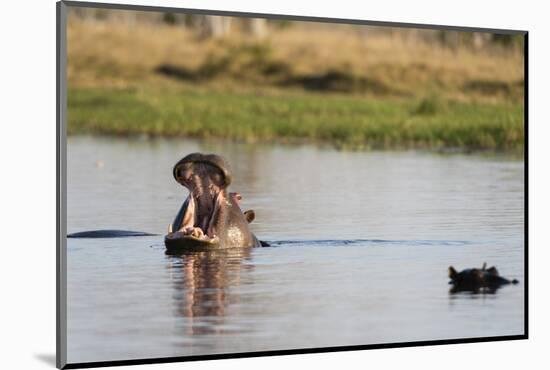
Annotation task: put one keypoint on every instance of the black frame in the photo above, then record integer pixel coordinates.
(61, 197)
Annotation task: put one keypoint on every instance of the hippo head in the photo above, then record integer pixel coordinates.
(210, 217)
(477, 280)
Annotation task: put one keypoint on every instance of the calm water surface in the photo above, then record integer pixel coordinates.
(362, 243)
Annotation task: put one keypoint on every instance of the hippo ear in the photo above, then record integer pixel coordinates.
(492, 270)
(452, 272)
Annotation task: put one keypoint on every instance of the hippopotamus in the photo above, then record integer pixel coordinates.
(98, 234)
(475, 279)
(210, 217)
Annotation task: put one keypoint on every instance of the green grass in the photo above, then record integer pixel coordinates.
(347, 121)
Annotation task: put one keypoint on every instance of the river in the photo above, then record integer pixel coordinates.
(361, 244)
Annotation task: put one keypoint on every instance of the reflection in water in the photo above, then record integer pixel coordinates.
(205, 286)
(477, 290)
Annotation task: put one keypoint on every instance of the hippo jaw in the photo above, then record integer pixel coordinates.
(179, 240)
(206, 176)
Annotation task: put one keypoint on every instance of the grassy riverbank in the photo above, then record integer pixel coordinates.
(328, 84)
(347, 121)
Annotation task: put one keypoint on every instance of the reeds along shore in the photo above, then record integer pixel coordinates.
(352, 86)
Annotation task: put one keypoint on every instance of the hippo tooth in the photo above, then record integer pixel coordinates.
(169, 228)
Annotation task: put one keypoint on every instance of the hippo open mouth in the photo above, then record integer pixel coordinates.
(210, 217)
(205, 176)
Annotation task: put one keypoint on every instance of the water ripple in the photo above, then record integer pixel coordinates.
(337, 243)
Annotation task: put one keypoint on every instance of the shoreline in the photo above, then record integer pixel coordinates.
(346, 122)
(298, 144)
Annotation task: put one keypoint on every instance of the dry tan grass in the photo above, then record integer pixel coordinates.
(106, 54)
(387, 89)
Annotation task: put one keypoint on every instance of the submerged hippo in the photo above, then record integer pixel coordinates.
(98, 234)
(210, 217)
(477, 279)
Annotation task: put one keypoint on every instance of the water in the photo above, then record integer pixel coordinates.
(361, 246)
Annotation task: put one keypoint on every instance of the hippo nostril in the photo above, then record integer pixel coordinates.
(216, 166)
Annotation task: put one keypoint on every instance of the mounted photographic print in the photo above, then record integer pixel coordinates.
(235, 184)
